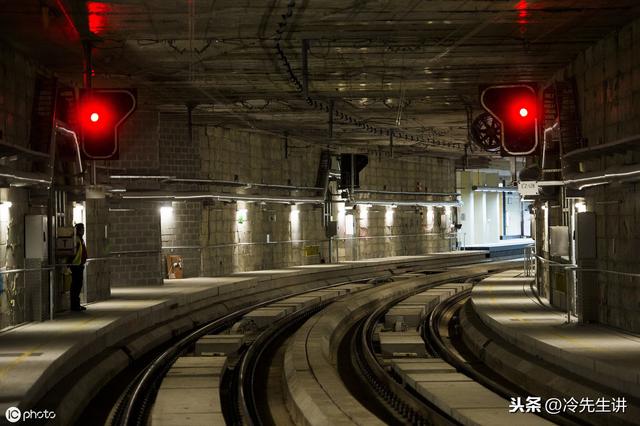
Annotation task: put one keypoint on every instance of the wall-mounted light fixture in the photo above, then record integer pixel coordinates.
(166, 213)
(78, 212)
(4, 210)
(388, 216)
(241, 216)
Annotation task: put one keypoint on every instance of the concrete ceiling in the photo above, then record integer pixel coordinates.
(413, 66)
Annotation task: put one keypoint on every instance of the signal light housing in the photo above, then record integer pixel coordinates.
(516, 108)
(102, 111)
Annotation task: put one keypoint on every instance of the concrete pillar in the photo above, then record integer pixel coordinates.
(492, 220)
(97, 273)
(480, 217)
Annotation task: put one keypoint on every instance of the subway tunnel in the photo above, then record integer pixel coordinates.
(319, 212)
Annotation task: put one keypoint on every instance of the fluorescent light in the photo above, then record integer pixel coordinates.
(78, 213)
(140, 177)
(494, 188)
(4, 211)
(166, 213)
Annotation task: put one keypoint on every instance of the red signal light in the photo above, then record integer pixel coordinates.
(101, 112)
(516, 108)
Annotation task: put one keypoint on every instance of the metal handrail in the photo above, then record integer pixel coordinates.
(573, 266)
(568, 268)
(46, 268)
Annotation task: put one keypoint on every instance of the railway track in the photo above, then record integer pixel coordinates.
(391, 400)
(134, 405)
(443, 333)
(243, 382)
(368, 392)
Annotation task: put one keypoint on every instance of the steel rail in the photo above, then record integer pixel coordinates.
(134, 405)
(402, 404)
(453, 357)
(252, 359)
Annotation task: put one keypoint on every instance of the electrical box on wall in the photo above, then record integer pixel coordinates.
(64, 241)
(35, 237)
(559, 240)
(332, 229)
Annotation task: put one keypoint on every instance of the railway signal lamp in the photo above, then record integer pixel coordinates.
(516, 109)
(102, 111)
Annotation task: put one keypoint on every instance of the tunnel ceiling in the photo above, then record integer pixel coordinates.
(412, 66)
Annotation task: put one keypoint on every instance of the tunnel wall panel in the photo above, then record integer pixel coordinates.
(608, 81)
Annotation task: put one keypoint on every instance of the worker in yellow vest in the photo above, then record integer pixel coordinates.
(77, 268)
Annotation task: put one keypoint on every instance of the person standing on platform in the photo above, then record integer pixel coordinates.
(77, 268)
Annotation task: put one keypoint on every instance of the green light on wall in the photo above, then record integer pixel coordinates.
(241, 216)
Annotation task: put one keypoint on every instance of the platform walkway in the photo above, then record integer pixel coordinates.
(507, 304)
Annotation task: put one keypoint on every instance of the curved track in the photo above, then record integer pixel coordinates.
(134, 405)
(244, 398)
(443, 333)
(387, 398)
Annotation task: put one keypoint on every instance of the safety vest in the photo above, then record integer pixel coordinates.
(80, 257)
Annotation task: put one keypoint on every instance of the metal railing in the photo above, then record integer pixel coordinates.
(532, 265)
(529, 261)
(18, 292)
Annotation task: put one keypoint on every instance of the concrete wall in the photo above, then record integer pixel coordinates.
(134, 238)
(23, 297)
(381, 231)
(608, 82)
(218, 238)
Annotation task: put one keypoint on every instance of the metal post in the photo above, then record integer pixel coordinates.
(88, 66)
(305, 68)
(331, 106)
(569, 293)
(52, 275)
(286, 145)
(353, 174)
(391, 142)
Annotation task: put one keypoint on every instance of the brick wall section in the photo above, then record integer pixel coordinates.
(138, 142)
(181, 235)
(23, 297)
(419, 174)
(179, 155)
(410, 231)
(134, 236)
(608, 81)
(227, 245)
(17, 83)
(208, 236)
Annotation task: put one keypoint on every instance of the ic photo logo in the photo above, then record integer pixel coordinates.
(13, 414)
